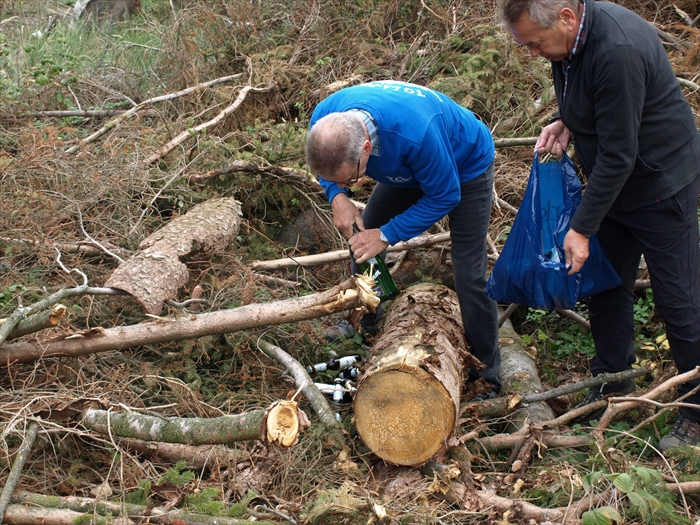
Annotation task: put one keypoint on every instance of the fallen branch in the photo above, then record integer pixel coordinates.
(114, 123)
(37, 322)
(196, 457)
(22, 312)
(337, 299)
(78, 248)
(616, 408)
(420, 241)
(503, 405)
(316, 399)
(17, 466)
(29, 508)
(279, 424)
(411, 51)
(193, 132)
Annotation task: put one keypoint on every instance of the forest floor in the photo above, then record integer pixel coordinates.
(94, 199)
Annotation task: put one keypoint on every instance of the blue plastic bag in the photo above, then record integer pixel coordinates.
(531, 269)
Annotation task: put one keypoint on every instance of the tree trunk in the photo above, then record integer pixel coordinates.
(520, 376)
(156, 272)
(407, 399)
(338, 299)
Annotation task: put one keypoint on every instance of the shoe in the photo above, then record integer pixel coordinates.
(597, 393)
(340, 330)
(683, 434)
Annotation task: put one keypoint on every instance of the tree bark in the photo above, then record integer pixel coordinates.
(520, 376)
(407, 399)
(345, 296)
(156, 272)
(280, 424)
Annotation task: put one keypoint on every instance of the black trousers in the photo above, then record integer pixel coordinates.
(666, 233)
(469, 223)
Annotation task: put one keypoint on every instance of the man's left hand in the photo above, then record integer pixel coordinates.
(366, 244)
(576, 250)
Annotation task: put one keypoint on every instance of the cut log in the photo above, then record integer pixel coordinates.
(156, 272)
(279, 424)
(407, 399)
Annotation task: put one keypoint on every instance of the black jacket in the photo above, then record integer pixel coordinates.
(634, 133)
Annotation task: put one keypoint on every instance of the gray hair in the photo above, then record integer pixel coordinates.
(543, 13)
(333, 141)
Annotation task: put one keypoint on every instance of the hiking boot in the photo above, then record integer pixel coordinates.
(683, 434)
(597, 393)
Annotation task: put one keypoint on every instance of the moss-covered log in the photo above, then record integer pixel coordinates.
(29, 508)
(407, 399)
(278, 424)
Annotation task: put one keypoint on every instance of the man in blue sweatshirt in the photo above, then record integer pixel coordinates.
(637, 142)
(430, 158)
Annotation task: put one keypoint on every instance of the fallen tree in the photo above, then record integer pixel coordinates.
(345, 296)
(407, 398)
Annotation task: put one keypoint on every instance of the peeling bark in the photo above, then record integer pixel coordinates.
(407, 399)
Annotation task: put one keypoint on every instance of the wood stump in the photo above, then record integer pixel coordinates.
(407, 398)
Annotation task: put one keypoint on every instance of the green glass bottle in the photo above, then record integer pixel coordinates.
(384, 285)
(375, 268)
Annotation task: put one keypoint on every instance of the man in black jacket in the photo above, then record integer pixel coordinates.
(638, 145)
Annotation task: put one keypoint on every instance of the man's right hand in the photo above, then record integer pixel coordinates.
(554, 139)
(345, 215)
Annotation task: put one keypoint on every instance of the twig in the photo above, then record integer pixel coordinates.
(503, 204)
(600, 379)
(411, 51)
(614, 409)
(688, 84)
(575, 317)
(17, 466)
(506, 315)
(316, 399)
(114, 123)
(192, 132)
(93, 241)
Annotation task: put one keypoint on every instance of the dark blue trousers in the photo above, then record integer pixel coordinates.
(469, 223)
(666, 233)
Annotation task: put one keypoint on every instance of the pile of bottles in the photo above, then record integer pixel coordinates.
(343, 385)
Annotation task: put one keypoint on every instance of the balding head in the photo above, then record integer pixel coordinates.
(334, 141)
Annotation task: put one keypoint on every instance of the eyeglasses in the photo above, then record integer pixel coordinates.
(357, 174)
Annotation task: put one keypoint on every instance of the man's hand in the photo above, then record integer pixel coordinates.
(345, 215)
(575, 250)
(366, 244)
(554, 139)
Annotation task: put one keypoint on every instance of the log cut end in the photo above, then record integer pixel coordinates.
(404, 417)
(282, 423)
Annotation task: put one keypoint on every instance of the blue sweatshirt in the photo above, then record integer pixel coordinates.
(427, 141)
